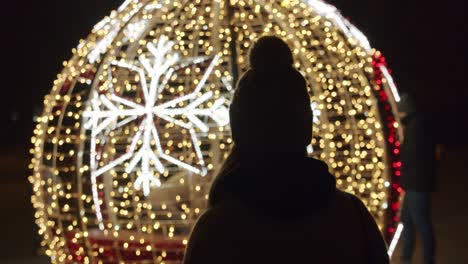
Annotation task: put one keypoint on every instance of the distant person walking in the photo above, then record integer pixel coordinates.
(418, 181)
(271, 203)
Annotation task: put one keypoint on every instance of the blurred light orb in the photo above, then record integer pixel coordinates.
(136, 125)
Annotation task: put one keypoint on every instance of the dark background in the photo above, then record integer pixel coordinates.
(423, 41)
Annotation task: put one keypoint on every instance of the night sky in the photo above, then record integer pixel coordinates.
(423, 42)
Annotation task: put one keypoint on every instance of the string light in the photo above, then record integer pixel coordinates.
(136, 125)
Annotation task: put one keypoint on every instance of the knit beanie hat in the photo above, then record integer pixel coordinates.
(271, 108)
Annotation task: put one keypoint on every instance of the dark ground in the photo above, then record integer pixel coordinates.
(450, 211)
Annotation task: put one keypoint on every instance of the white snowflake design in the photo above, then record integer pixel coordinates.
(110, 111)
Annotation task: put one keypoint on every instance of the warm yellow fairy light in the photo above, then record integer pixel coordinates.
(100, 151)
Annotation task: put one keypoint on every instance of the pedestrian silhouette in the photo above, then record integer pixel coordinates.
(270, 203)
(418, 181)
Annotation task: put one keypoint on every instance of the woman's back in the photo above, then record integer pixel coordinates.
(233, 233)
(271, 203)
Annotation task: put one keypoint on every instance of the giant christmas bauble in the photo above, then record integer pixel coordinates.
(136, 125)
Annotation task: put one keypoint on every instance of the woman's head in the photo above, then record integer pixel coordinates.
(270, 52)
(271, 109)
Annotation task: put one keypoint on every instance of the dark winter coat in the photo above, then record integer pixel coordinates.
(417, 154)
(283, 210)
(270, 204)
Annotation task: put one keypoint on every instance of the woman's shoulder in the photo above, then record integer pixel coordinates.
(355, 201)
(227, 206)
(354, 206)
(345, 197)
(207, 242)
(348, 198)
(230, 207)
(217, 222)
(348, 204)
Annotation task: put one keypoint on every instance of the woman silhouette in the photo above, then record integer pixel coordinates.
(271, 203)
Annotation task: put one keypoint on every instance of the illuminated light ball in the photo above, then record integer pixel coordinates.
(136, 125)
